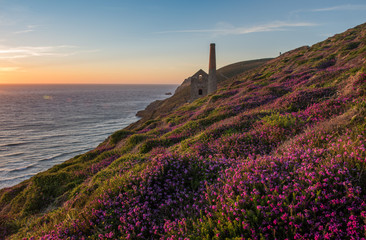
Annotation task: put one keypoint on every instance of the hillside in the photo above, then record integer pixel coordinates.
(277, 152)
(182, 95)
(235, 69)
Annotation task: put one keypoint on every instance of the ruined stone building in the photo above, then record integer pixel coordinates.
(199, 85)
(202, 83)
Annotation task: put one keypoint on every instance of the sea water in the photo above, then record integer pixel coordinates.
(44, 125)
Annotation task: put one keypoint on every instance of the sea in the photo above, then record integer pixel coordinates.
(44, 125)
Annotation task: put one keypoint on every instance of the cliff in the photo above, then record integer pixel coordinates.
(278, 152)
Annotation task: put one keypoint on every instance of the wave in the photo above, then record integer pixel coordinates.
(20, 169)
(61, 155)
(16, 154)
(14, 144)
(6, 182)
(47, 135)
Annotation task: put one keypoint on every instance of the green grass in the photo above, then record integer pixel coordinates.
(211, 125)
(119, 135)
(351, 46)
(276, 119)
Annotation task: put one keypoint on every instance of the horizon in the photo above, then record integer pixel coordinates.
(160, 42)
(82, 84)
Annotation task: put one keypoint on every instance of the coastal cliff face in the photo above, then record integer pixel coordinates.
(277, 152)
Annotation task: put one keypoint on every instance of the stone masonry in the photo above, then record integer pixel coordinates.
(202, 83)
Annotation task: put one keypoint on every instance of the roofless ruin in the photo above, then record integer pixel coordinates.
(202, 83)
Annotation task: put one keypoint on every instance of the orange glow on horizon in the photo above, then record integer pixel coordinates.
(93, 76)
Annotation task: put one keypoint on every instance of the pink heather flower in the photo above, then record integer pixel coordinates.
(110, 235)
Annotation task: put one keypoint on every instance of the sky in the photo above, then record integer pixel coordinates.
(155, 41)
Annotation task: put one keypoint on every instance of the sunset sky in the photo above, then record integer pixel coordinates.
(146, 41)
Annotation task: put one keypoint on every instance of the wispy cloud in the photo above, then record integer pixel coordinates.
(25, 52)
(348, 7)
(230, 30)
(30, 28)
(8, 69)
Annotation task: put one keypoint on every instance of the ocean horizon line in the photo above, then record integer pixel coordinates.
(86, 84)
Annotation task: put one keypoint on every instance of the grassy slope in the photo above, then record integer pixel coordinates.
(183, 95)
(238, 68)
(279, 152)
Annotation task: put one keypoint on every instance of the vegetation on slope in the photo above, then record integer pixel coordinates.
(277, 152)
(183, 93)
(238, 68)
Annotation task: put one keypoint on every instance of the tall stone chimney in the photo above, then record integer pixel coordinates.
(212, 79)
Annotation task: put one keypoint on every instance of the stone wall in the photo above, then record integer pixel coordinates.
(199, 85)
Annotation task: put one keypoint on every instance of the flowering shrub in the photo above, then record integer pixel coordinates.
(300, 195)
(150, 203)
(277, 154)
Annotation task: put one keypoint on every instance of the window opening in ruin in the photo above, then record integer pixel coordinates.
(199, 91)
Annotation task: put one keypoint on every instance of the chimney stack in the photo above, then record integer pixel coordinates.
(212, 79)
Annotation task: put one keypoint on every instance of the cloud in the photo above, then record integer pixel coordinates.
(230, 30)
(8, 69)
(30, 28)
(26, 52)
(348, 7)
